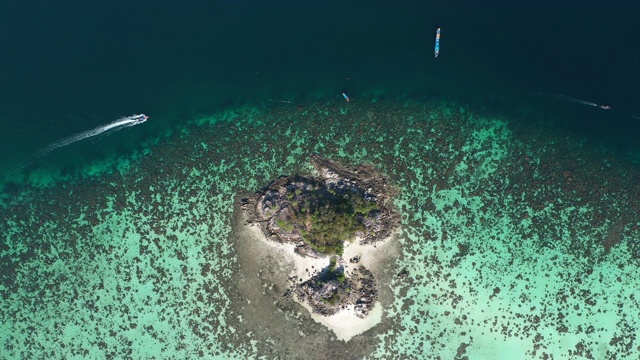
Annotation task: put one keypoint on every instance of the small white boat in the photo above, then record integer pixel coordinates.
(437, 47)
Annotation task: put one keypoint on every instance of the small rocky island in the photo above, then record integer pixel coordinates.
(318, 216)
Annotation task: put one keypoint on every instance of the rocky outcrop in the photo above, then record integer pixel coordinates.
(374, 187)
(318, 214)
(331, 291)
(299, 209)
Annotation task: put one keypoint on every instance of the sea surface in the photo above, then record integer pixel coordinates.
(519, 188)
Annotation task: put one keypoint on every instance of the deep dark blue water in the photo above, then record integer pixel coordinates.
(67, 67)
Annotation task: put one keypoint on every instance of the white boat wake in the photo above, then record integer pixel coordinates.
(116, 125)
(584, 102)
(572, 99)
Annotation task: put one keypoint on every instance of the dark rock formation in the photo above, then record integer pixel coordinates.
(318, 214)
(331, 291)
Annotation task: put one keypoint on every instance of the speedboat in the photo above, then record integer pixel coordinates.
(139, 118)
(437, 47)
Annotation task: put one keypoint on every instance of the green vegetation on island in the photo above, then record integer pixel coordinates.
(326, 217)
(318, 214)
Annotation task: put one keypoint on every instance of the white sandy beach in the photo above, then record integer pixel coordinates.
(345, 324)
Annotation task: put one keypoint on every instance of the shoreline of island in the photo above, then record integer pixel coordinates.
(345, 324)
(332, 229)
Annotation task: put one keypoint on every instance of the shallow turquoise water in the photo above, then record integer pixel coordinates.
(520, 225)
(517, 243)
